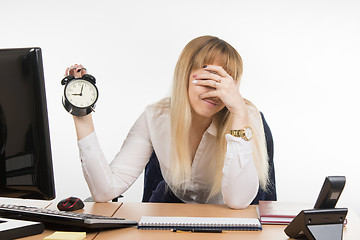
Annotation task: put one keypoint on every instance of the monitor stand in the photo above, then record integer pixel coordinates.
(11, 228)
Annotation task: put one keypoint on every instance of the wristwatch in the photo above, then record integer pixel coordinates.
(245, 133)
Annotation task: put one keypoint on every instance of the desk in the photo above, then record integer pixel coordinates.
(134, 211)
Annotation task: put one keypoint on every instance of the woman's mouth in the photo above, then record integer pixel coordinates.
(210, 102)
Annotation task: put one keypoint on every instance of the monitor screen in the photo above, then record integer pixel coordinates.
(26, 169)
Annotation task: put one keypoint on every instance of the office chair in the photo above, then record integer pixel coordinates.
(155, 189)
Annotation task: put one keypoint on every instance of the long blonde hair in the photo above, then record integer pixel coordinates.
(198, 52)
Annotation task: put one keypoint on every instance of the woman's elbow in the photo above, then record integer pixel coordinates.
(103, 196)
(237, 204)
(100, 199)
(241, 201)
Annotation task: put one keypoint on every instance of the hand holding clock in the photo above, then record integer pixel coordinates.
(80, 82)
(80, 93)
(76, 70)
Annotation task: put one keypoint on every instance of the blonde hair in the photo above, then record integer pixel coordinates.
(198, 52)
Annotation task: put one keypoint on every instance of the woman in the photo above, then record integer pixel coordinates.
(200, 160)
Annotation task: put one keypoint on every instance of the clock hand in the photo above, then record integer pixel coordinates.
(82, 87)
(79, 94)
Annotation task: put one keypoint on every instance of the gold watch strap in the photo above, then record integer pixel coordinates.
(245, 133)
(236, 133)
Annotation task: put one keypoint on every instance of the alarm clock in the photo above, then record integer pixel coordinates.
(80, 94)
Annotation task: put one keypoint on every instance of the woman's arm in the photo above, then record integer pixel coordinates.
(109, 181)
(240, 181)
(83, 125)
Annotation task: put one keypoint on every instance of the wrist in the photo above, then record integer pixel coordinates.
(84, 126)
(240, 121)
(82, 118)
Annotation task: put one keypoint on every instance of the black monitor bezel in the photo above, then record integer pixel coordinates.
(44, 174)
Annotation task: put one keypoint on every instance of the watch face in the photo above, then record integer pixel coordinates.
(248, 133)
(81, 93)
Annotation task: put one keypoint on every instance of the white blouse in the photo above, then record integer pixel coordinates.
(151, 132)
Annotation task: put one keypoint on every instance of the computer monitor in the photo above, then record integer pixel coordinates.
(26, 169)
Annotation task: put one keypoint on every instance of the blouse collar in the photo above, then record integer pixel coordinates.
(212, 129)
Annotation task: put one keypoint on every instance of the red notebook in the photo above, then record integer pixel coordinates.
(273, 212)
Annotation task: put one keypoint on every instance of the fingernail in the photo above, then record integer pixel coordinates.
(195, 81)
(194, 76)
(204, 66)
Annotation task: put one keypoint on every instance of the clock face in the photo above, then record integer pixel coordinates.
(81, 93)
(248, 133)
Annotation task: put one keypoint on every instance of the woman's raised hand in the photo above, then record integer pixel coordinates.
(224, 87)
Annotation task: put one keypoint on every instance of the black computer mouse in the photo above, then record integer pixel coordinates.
(70, 204)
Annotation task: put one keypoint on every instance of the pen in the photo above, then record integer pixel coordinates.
(197, 230)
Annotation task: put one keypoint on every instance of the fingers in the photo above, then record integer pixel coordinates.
(75, 70)
(222, 85)
(218, 69)
(214, 73)
(214, 77)
(210, 94)
(207, 76)
(206, 83)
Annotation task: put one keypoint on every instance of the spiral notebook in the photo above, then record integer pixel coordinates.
(179, 223)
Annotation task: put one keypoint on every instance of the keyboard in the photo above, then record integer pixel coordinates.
(63, 218)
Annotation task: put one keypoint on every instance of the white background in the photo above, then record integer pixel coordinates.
(301, 68)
